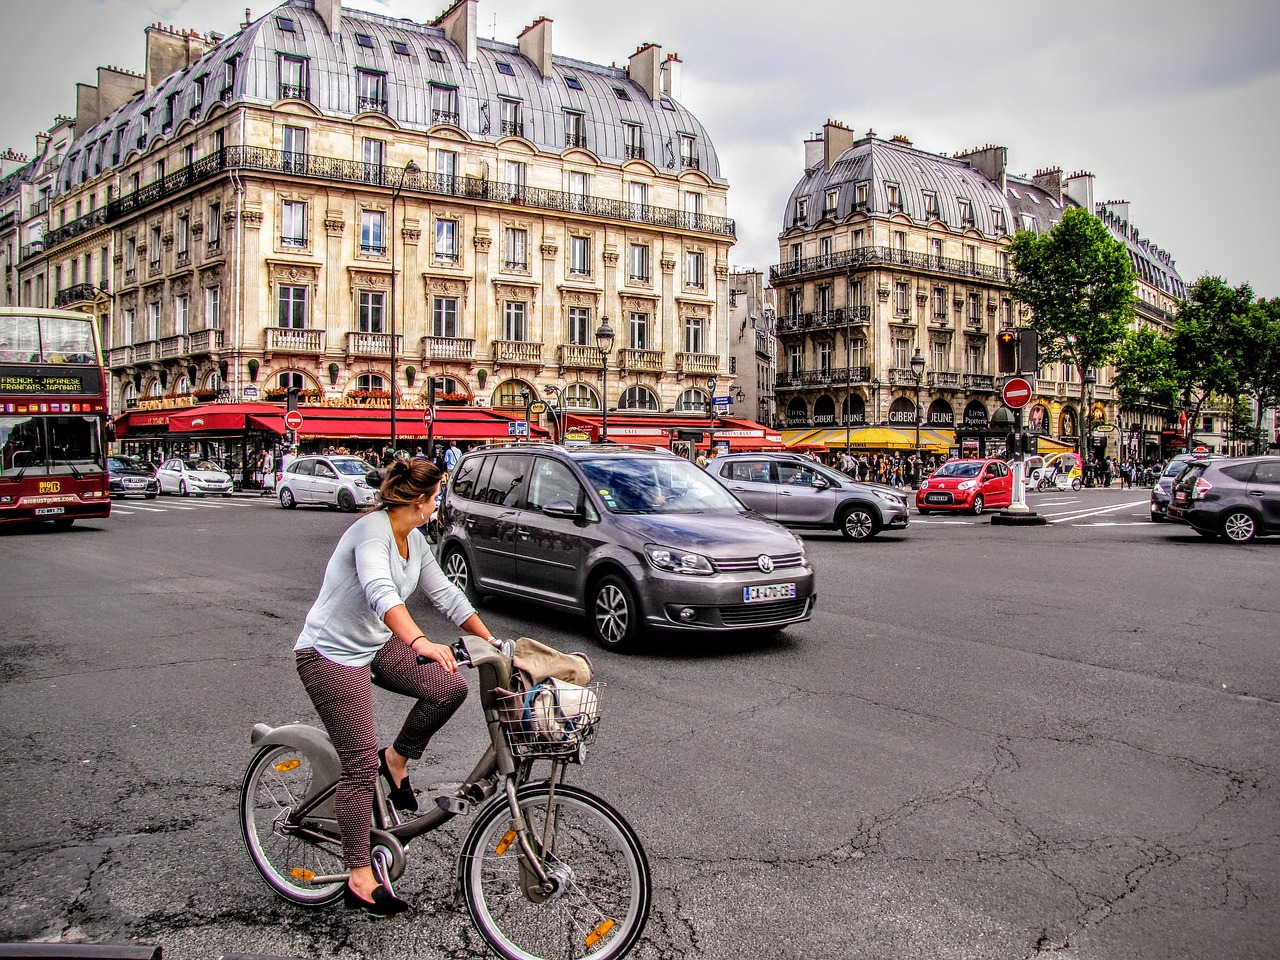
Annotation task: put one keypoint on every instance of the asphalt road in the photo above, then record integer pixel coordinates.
(990, 742)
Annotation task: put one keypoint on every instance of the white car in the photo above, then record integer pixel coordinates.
(333, 481)
(186, 477)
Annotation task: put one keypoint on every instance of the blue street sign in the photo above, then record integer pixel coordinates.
(518, 428)
(722, 401)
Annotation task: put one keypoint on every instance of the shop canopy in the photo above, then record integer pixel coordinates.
(137, 424)
(873, 438)
(658, 430)
(342, 423)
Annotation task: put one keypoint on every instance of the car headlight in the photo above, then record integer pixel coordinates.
(893, 498)
(924, 485)
(966, 484)
(678, 561)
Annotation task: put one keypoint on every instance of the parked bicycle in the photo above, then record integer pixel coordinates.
(547, 870)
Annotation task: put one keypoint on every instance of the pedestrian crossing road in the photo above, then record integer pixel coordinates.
(1079, 511)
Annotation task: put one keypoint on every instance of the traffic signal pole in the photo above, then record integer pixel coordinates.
(1016, 352)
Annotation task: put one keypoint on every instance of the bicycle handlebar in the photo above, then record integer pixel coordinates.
(463, 656)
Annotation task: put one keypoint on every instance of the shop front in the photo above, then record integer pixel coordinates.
(722, 433)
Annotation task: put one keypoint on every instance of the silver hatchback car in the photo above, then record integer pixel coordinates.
(635, 539)
(332, 481)
(800, 493)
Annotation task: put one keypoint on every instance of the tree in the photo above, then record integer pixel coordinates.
(1260, 363)
(1210, 338)
(1145, 370)
(1078, 281)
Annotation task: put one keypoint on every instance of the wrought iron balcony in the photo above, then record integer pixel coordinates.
(698, 364)
(512, 128)
(448, 348)
(80, 293)
(823, 377)
(635, 151)
(371, 345)
(293, 91)
(372, 104)
(690, 163)
(293, 340)
(575, 140)
(580, 356)
(865, 257)
(825, 319)
(520, 352)
(633, 358)
(446, 116)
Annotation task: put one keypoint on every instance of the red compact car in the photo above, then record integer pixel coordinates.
(971, 485)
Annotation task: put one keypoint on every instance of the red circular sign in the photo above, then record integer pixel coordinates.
(1016, 393)
(293, 420)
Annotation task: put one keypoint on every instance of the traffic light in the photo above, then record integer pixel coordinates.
(1028, 346)
(291, 398)
(1007, 351)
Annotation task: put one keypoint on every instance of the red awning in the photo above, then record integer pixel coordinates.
(740, 434)
(142, 423)
(220, 418)
(338, 423)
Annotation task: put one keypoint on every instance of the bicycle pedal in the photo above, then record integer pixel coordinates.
(453, 804)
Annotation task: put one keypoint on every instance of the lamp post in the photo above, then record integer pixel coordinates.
(875, 402)
(410, 169)
(917, 371)
(1086, 422)
(557, 411)
(604, 343)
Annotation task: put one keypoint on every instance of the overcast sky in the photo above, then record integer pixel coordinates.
(1172, 104)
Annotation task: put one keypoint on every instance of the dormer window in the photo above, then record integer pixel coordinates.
(894, 194)
(966, 212)
(573, 83)
(286, 25)
(504, 68)
(833, 197)
(400, 48)
(434, 55)
(860, 196)
(930, 203)
(802, 211)
(364, 40)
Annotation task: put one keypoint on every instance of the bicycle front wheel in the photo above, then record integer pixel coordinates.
(278, 779)
(602, 888)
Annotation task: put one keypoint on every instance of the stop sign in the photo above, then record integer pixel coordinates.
(1016, 393)
(293, 420)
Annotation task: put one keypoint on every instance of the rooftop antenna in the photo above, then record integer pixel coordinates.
(495, 27)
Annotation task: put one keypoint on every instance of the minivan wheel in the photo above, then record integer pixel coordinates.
(458, 571)
(1239, 526)
(614, 613)
(857, 523)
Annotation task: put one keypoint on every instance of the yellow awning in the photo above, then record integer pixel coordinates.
(802, 438)
(1050, 445)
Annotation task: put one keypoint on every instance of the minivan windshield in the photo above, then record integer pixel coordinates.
(656, 485)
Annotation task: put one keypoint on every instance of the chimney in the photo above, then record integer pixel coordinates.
(535, 44)
(644, 68)
(990, 161)
(1119, 209)
(836, 138)
(671, 76)
(10, 161)
(1050, 180)
(813, 151)
(459, 25)
(1079, 187)
(331, 13)
(170, 50)
(42, 141)
(115, 88)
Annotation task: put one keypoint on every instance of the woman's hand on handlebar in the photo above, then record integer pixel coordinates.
(439, 652)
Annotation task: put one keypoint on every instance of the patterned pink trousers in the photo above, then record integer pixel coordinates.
(343, 696)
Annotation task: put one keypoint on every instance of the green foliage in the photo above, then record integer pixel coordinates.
(1210, 338)
(1145, 372)
(1078, 281)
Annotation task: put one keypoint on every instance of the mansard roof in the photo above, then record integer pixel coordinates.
(333, 65)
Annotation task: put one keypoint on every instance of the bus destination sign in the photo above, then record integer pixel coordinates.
(28, 381)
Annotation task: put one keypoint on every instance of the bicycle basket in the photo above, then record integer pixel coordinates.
(551, 720)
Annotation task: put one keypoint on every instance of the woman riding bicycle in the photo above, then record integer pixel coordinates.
(359, 632)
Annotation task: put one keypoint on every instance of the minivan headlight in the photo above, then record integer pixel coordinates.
(678, 561)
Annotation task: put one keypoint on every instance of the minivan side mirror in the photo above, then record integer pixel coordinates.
(562, 509)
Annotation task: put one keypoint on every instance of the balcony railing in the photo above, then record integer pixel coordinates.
(635, 151)
(119, 357)
(512, 128)
(698, 364)
(371, 104)
(173, 347)
(37, 208)
(204, 342)
(944, 380)
(901, 377)
(263, 160)
(690, 163)
(633, 358)
(447, 348)
(30, 249)
(293, 91)
(979, 381)
(825, 319)
(581, 356)
(146, 352)
(293, 340)
(446, 116)
(80, 293)
(575, 140)
(877, 256)
(822, 377)
(371, 344)
(526, 352)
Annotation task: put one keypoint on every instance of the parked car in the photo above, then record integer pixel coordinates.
(1162, 490)
(130, 476)
(341, 482)
(797, 492)
(1234, 498)
(633, 539)
(971, 485)
(186, 477)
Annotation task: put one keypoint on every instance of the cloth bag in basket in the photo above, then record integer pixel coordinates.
(539, 662)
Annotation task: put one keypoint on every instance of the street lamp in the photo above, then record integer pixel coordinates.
(604, 343)
(557, 411)
(875, 403)
(410, 169)
(917, 371)
(1087, 421)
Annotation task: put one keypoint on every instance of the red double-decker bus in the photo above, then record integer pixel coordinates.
(53, 418)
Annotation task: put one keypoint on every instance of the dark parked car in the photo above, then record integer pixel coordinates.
(1235, 498)
(800, 493)
(129, 475)
(631, 538)
(1162, 489)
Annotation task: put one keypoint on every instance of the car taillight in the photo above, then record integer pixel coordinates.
(1202, 487)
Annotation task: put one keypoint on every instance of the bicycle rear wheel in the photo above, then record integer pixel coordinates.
(601, 900)
(279, 778)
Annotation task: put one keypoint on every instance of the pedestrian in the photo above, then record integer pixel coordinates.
(1107, 469)
(359, 627)
(452, 456)
(268, 473)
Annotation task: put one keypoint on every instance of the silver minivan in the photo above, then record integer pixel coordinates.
(332, 481)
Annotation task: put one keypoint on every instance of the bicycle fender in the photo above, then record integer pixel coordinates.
(310, 741)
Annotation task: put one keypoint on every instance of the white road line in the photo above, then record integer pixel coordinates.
(117, 512)
(147, 509)
(176, 507)
(1081, 515)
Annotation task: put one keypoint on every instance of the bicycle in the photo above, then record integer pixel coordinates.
(547, 870)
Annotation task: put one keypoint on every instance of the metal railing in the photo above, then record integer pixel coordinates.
(876, 256)
(80, 293)
(823, 377)
(825, 319)
(371, 104)
(293, 91)
(979, 381)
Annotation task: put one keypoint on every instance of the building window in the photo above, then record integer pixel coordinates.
(938, 355)
(514, 325)
(802, 210)
(573, 83)
(930, 204)
(902, 299)
(638, 262)
(694, 270)
(446, 248)
(292, 313)
(444, 104)
(633, 138)
(823, 296)
(126, 324)
(181, 315)
(638, 193)
(513, 173)
(1006, 312)
(975, 307)
(860, 196)
(966, 212)
(371, 311)
(858, 353)
(579, 189)
(183, 239)
(795, 358)
(971, 255)
(580, 326)
(517, 242)
(213, 308)
(859, 239)
(372, 239)
(825, 350)
(512, 124)
(693, 335)
(975, 358)
(213, 226)
(693, 206)
(580, 256)
(894, 194)
(364, 40)
(505, 68)
(638, 398)
(153, 246)
(688, 152)
(295, 149)
(293, 78)
(900, 245)
(435, 55)
(902, 352)
(940, 303)
(857, 293)
(575, 134)
(400, 48)
(153, 320)
(638, 331)
(371, 91)
(444, 316)
(293, 224)
(833, 197)
(130, 255)
(935, 249)
(371, 152)
(370, 381)
(997, 217)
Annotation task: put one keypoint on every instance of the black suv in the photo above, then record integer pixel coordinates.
(1236, 499)
(629, 537)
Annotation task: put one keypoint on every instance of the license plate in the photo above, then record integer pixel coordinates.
(937, 498)
(49, 511)
(768, 591)
(1182, 496)
(133, 484)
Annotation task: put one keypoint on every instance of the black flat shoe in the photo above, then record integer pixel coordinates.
(383, 904)
(401, 797)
